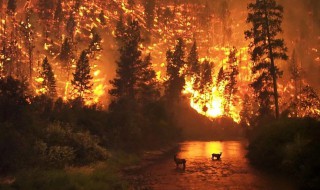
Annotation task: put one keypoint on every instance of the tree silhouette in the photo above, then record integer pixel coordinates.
(120, 32)
(13, 96)
(193, 69)
(58, 16)
(231, 80)
(266, 19)
(125, 83)
(205, 81)
(28, 36)
(149, 8)
(102, 18)
(221, 79)
(66, 54)
(71, 26)
(12, 6)
(81, 82)
(176, 81)
(95, 44)
(49, 82)
(148, 86)
(131, 3)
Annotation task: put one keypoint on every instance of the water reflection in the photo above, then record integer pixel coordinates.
(231, 150)
(201, 172)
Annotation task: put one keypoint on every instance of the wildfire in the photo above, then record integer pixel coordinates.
(183, 21)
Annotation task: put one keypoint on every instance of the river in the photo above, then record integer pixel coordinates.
(231, 172)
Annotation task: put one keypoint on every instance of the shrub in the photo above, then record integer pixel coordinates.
(62, 145)
(290, 146)
(60, 156)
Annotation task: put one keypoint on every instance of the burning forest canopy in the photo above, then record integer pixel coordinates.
(60, 30)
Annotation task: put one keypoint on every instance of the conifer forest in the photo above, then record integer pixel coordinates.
(89, 89)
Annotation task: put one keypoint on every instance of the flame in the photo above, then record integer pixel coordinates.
(185, 24)
(210, 103)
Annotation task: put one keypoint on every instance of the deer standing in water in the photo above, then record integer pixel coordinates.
(216, 155)
(179, 161)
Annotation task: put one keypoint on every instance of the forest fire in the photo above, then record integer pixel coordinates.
(117, 85)
(214, 34)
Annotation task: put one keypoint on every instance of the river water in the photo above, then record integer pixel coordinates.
(232, 171)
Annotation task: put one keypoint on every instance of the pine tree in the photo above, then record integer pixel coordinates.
(206, 76)
(66, 54)
(102, 18)
(125, 83)
(45, 9)
(58, 15)
(28, 36)
(49, 82)
(221, 79)
(266, 18)
(193, 62)
(120, 32)
(296, 77)
(149, 8)
(147, 83)
(231, 79)
(81, 82)
(176, 81)
(193, 69)
(12, 6)
(71, 26)
(77, 5)
(205, 81)
(95, 44)
(246, 113)
(131, 3)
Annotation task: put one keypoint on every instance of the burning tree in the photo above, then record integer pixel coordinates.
(28, 35)
(310, 103)
(206, 82)
(295, 72)
(266, 18)
(82, 86)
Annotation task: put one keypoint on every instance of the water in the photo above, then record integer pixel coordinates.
(202, 173)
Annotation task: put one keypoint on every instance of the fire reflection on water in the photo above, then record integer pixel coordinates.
(194, 150)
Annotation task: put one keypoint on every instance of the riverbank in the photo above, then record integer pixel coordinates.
(118, 172)
(135, 175)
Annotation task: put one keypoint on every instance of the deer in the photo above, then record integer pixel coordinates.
(218, 156)
(179, 161)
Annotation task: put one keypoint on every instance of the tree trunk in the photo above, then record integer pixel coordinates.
(273, 70)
